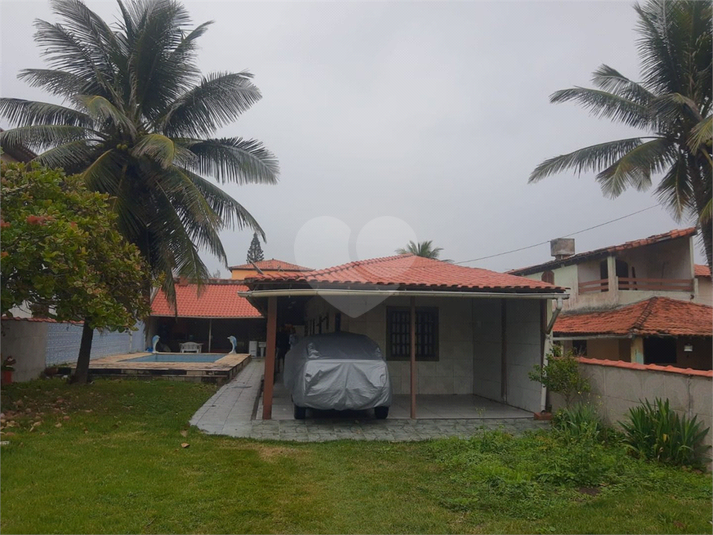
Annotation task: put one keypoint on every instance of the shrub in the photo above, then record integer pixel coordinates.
(561, 375)
(579, 422)
(655, 432)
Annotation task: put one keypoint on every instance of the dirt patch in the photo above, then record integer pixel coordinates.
(589, 491)
(273, 453)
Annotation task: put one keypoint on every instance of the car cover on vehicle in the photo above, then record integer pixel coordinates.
(337, 371)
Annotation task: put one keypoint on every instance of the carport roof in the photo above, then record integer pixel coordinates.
(658, 316)
(217, 298)
(406, 272)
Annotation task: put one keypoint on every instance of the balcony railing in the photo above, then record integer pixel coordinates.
(656, 285)
(628, 283)
(601, 285)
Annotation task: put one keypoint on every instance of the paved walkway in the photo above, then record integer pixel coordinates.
(230, 412)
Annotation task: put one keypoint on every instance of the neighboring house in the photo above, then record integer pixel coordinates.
(206, 315)
(477, 331)
(267, 267)
(643, 301)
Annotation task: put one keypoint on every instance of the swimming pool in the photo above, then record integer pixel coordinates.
(178, 357)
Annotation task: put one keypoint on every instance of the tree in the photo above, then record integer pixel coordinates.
(255, 253)
(423, 248)
(672, 105)
(136, 125)
(63, 256)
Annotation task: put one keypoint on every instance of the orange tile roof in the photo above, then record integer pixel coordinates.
(702, 271)
(410, 271)
(272, 264)
(216, 299)
(652, 367)
(655, 316)
(605, 251)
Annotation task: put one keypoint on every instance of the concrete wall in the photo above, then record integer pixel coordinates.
(469, 360)
(26, 342)
(617, 386)
(39, 344)
(704, 295)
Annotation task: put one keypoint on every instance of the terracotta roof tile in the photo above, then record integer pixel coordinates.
(655, 316)
(651, 367)
(216, 299)
(272, 264)
(605, 251)
(410, 271)
(702, 271)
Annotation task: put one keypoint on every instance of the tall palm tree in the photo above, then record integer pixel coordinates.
(136, 122)
(672, 104)
(422, 248)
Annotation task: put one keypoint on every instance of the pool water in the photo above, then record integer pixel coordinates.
(178, 357)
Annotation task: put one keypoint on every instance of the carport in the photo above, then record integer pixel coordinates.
(445, 330)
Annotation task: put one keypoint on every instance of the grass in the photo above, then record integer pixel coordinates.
(107, 458)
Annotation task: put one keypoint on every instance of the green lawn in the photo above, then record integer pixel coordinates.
(107, 458)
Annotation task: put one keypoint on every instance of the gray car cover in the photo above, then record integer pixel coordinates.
(337, 371)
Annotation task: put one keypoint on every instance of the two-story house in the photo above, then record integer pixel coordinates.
(643, 301)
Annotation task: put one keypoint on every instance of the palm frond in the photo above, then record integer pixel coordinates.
(218, 100)
(701, 137)
(73, 157)
(27, 113)
(592, 158)
(609, 79)
(60, 82)
(157, 147)
(605, 104)
(675, 191)
(39, 137)
(244, 161)
(634, 169)
(101, 109)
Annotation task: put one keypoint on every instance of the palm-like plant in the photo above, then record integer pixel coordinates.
(422, 248)
(672, 104)
(136, 122)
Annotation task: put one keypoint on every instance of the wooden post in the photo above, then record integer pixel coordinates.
(503, 351)
(269, 358)
(210, 333)
(413, 358)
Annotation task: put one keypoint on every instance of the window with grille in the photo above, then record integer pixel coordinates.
(398, 333)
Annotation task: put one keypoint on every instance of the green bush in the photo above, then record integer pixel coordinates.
(578, 422)
(561, 375)
(655, 432)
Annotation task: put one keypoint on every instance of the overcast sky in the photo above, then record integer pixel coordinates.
(407, 120)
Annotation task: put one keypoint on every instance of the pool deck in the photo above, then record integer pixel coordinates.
(221, 371)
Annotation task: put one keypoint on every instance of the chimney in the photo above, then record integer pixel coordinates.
(562, 248)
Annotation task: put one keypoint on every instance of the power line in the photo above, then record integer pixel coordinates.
(565, 236)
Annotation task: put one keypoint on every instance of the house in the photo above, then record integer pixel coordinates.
(268, 267)
(477, 332)
(643, 301)
(210, 313)
(16, 153)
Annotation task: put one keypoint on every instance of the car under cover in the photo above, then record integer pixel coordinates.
(337, 371)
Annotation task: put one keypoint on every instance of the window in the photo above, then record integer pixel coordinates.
(398, 333)
(548, 276)
(579, 347)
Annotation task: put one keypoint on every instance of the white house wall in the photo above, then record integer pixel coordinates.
(524, 350)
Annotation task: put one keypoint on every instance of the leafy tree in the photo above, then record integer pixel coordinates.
(423, 248)
(561, 375)
(672, 105)
(136, 124)
(63, 256)
(255, 253)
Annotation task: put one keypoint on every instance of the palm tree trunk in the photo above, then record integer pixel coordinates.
(81, 373)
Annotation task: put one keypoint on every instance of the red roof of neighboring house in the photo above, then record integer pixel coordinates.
(410, 271)
(649, 367)
(655, 316)
(216, 299)
(272, 264)
(605, 251)
(702, 271)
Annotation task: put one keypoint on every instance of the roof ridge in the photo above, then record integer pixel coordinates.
(358, 263)
(645, 313)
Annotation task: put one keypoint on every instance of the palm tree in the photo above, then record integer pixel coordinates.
(672, 105)
(423, 248)
(136, 121)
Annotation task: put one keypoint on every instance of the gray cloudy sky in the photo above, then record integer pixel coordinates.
(407, 120)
